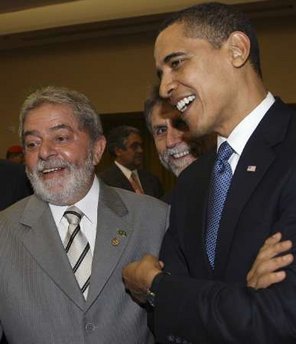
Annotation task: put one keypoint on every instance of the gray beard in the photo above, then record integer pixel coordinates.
(73, 185)
(175, 166)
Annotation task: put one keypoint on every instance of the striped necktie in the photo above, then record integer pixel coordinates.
(78, 249)
(220, 182)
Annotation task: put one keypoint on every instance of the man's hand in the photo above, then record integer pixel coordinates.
(138, 276)
(264, 271)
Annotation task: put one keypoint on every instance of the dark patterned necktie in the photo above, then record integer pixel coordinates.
(220, 182)
(78, 249)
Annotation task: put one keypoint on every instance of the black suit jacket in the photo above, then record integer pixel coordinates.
(198, 305)
(150, 183)
(14, 184)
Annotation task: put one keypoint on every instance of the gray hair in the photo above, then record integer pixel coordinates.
(86, 114)
(153, 100)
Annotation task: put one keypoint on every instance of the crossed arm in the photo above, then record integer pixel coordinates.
(265, 271)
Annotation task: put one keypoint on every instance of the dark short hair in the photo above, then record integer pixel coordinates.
(85, 112)
(215, 22)
(117, 136)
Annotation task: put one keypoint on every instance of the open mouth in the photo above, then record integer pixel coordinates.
(52, 172)
(178, 154)
(183, 104)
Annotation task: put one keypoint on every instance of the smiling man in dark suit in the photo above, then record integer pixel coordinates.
(207, 59)
(125, 145)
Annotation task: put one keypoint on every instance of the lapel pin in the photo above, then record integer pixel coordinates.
(121, 233)
(251, 168)
(115, 242)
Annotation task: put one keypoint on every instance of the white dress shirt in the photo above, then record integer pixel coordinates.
(89, 206)
(243, 131)
(127, 172)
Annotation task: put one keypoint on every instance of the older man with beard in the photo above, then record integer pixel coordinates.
(62, 249)
(170, 134)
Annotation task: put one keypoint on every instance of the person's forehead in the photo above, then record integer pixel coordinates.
(134, 137)
(51, 112)
(48, 118)
(170, 39)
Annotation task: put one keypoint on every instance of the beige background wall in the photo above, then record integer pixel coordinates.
(116, 72)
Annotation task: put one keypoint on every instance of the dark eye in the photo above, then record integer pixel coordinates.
(160, 131)
(30, 145)
(176, 63)
(61, 138)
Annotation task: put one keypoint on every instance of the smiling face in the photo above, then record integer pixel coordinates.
(59, 156)
(198, 79)
(173, 150)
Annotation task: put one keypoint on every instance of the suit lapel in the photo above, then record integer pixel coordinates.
(113, 234)
(258, 154)
(43, 242)
(122, 181)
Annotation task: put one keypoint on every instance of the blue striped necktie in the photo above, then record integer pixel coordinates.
(220, 182)
(78, 249)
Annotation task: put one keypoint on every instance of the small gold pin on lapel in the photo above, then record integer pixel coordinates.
(115, 242)
(121, 233)
(251, 168)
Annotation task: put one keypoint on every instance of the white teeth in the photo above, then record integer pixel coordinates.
(50, 170)
(178, 155)
(183, 103)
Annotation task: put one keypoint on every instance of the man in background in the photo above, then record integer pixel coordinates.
(62, 249)
(125, 145)
(170, 133)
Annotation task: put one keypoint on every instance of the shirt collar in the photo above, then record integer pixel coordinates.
(88, 204)
(126, 171)
(242, 132)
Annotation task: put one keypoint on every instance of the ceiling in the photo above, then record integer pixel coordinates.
(34, 22)
(27, 15)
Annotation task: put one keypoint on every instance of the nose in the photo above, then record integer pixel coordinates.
(167, 85)
(140, 149)
(46, 150)
(174, 136)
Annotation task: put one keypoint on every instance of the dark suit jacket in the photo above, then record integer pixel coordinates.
(14, 184)
(196, 305)
(150, 183)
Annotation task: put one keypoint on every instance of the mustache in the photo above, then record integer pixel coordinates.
(52, 163)
(181, 148)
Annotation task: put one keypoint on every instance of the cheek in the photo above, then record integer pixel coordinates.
(160, 145)
(31, 160)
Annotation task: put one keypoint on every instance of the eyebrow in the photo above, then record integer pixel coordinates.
(52, 129)
(167, 59)
(173, 55)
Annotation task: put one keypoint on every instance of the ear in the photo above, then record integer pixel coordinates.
(98, 150)
(239, 48)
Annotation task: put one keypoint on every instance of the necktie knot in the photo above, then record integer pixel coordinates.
(224, 153)
(73, 215)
